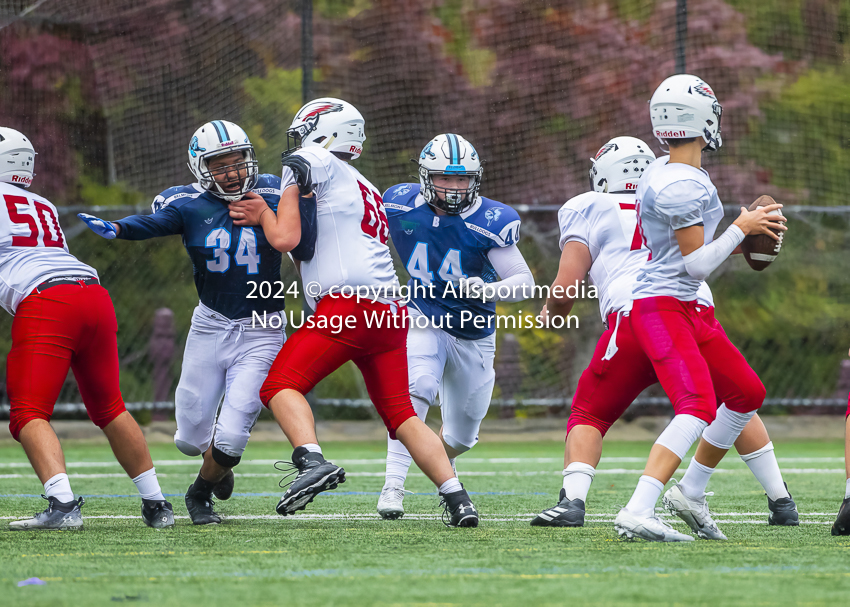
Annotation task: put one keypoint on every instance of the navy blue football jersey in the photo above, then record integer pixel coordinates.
(225, 258)
(441, 249)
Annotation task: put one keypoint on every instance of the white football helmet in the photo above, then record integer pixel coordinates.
(17, 158)
(685, 106)
(450, 154)
(216, 138)
(330, 123)
(619, 164)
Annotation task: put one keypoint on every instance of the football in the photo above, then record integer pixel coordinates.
(760, 249)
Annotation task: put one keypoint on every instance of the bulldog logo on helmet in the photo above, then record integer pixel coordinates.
(194, 147)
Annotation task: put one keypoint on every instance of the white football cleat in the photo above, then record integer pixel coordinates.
(391, 502)
(694, 512)
(650, 528)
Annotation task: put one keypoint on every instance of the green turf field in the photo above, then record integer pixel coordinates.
(338, 552)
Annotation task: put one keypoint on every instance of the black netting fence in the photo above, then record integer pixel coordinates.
(110, 92)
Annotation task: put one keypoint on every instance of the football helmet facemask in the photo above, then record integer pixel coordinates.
(450, 154)
(215, 139)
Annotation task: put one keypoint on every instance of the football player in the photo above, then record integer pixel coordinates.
(599, 237)
(352, 283)
(453, 241)
(696, 364)
(842, 521)
(63, 319)
(227, 354)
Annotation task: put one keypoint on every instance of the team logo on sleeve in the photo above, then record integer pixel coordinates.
(401, 191)
(492, 215)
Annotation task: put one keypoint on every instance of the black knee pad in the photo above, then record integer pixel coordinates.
(223, 459)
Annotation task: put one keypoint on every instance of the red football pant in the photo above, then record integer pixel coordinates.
(314, 352)
(697, 365)
(607, 387)
(66, 326)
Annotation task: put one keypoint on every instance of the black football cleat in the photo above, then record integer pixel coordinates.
(200, 508)
(841, 526)
(314, 474)
(567, 513)
(224, 488)
(458, 509)
(58, 515)
(783, 511)
(157, 514)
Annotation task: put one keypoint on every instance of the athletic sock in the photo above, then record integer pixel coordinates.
(59, 487)
(398, 463)
(451, 486)
(696, 478)
(313, 448)
(577, 479)
(847, 490)
(203, 487)
(762, 464)
(148, 486)
(645, 497)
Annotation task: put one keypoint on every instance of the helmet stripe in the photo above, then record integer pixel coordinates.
(220, 131)
(453, 148)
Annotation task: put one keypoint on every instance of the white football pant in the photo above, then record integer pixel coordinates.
(226, 358)
(460, 372)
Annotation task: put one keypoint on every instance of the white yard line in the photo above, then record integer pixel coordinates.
(462, 473)
(463, 460)
(608, 518)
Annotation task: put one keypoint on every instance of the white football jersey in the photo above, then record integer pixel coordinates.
(32, 246)
(607, 225)
(352, 234)
(671, 197)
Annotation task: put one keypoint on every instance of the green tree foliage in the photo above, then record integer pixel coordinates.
(803, 137)
(538, 86)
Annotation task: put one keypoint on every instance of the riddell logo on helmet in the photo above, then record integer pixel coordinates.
(671, 134)
(355, 150)
(21, 179)
(631, 186)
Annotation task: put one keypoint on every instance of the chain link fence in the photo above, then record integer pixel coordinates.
(110, 92)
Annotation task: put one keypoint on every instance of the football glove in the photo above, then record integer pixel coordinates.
(473, 288)
(99, 226)
(303, 175)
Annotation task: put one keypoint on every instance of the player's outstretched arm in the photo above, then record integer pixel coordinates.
(574, 265)
(99, 226)
(282, 230)
(517, 280)
(165, 222)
